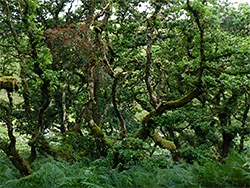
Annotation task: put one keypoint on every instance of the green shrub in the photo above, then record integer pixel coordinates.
(198, 154)
(234, 171)
(172, 177)
(155, 172)
(7, 169)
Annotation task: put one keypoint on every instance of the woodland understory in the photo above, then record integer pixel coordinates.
(135, 93)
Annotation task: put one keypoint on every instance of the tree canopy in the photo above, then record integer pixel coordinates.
(173, 74)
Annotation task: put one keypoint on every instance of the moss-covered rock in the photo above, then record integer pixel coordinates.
(9, 83)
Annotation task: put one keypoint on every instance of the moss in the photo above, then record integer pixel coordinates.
(84, 153)
(141, 134)
(9, 83)
(66, 152)
(179, 103)
(162, 142)
(148, 117)
(97, 132)
(171, 105)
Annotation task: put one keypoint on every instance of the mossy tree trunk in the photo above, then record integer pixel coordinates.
(10, 148)
(101, 142)
(225, 114)
(25, 11)
(147, 129)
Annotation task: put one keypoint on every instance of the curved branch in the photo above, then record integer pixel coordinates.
(149, 57)
(196, 15)
(144, 104)
(10, 148)
(160, 109)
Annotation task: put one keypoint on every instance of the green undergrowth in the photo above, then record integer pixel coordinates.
(159, 171)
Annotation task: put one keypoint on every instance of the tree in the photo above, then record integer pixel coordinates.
(91, 71)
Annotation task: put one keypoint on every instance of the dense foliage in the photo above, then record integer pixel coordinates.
(119, 93)
(156, 172)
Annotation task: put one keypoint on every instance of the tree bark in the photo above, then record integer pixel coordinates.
(10, 148)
